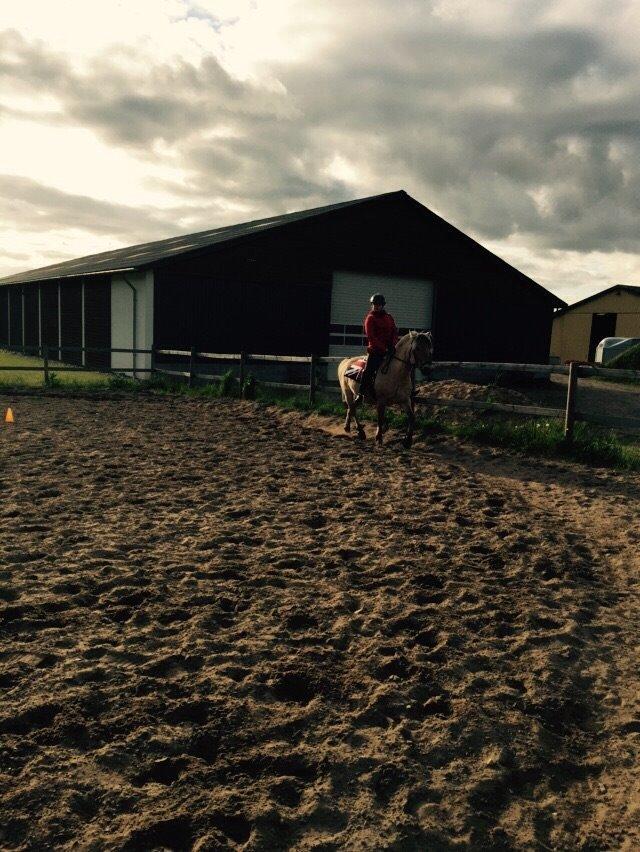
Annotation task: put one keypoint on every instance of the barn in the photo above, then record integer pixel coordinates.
(578, 328)
(291, 284)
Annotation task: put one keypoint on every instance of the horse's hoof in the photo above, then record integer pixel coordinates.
(362, 435)
(407, 442)
(347, 427)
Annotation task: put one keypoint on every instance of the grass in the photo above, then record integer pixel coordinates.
(531, 436)
(21, 378)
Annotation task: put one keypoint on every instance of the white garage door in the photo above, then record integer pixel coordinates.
(409, 301)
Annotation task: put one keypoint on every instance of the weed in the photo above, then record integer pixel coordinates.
(228, 385)
(117, 381)
(249, 387)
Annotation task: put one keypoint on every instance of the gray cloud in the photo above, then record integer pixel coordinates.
(27, 205)
(533, 133)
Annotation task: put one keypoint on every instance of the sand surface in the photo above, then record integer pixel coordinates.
(224, 627)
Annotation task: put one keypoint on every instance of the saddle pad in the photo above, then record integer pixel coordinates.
(356, 370)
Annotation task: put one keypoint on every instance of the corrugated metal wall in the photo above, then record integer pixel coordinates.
(44, 324)
(71, 316)
(227, 315)
(15, 316)
(4, 316)
(31, 319)
(49, 307)
(97, 322)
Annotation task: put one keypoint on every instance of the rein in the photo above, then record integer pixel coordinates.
(407, 361)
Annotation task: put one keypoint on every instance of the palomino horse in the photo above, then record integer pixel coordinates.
(393, 385)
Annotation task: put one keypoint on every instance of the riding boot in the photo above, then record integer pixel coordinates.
(364, 388)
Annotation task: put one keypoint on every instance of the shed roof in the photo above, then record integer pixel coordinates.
(621, 288)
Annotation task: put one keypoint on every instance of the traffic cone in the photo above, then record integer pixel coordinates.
(8, 418)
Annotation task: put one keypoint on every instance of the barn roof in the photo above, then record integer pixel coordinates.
(142, 256)
(620, 288)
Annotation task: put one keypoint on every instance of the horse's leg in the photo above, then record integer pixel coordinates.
(353, 413)
(380, 407)
(361, 433)
(411, 418)
(347, 422)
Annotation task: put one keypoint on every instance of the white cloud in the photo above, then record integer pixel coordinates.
(73, 160)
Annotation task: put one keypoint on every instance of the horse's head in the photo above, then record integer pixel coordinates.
(423, 349)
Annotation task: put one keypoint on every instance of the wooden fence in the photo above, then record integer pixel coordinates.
(570, 414)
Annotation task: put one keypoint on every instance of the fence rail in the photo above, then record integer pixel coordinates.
(570, 412)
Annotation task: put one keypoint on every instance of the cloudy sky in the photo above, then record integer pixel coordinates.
(123, 121)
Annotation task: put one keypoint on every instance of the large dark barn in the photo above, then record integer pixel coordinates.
(291, 284)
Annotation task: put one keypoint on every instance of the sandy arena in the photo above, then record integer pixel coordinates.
(225, 628)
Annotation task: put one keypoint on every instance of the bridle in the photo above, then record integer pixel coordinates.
(408, 360)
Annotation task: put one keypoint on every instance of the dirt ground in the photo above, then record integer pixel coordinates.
(223, 627)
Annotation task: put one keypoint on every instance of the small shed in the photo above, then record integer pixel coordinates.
(578, 328)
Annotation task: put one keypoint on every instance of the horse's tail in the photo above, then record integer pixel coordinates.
(344, 382)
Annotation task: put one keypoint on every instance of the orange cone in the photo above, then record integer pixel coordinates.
(8, 418)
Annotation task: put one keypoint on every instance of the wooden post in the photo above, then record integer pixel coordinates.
(153, 362)
(313, 365)
(570, 413)
(243, 358)
(192, 366)
(45, 358)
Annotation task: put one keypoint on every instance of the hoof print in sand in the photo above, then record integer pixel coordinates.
(297, 687)
(165, 770)
(300, 621)
(175, 833)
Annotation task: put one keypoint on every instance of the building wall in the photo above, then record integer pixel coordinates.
(572, 330)
(50, 320)
(273, 293)
(15, 316)
(97, 322)
(4, 316)
(122, 328)
(628, 324)
(71, 321)
(31, 319)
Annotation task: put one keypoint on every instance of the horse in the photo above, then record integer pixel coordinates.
(394, 383)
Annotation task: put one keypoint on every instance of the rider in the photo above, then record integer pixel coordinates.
(382, 335)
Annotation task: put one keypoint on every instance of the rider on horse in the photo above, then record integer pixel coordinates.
(382, 336)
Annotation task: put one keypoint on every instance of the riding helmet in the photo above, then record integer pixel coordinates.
(378, 299)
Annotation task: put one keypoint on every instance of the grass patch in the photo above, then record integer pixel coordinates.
(532, 436)
(16, 377)
(546, 438)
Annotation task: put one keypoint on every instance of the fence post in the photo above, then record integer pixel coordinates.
(570, 412)
(152, 362)
(243, 358)
(45, 358)
(192, 363)
(313, 379)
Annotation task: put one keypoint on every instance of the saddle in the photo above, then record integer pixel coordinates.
(356, 370)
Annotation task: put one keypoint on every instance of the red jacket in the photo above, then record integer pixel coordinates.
(380, 330)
